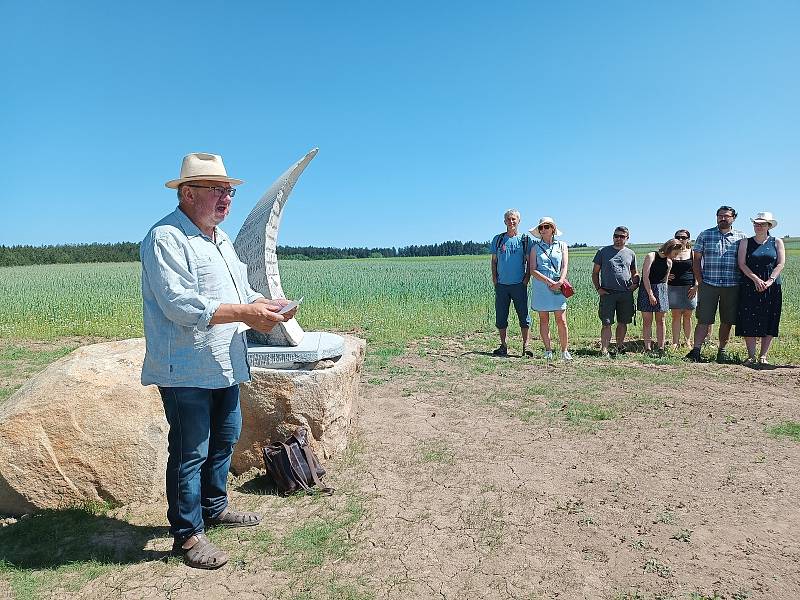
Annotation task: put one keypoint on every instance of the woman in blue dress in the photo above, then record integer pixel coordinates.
(761, 260)
(548, 262)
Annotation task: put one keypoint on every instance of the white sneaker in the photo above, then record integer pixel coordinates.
(548, 355)
(565, 355)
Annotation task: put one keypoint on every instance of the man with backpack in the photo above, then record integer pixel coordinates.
(510, 277)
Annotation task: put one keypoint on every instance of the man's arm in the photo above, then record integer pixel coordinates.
(261, 315)
(494, 269)
(596, 279)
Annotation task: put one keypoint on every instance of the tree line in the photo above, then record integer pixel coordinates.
(11, 256)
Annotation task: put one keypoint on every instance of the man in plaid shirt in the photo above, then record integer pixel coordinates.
(714, 261)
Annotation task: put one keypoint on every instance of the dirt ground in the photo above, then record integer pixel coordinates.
(476, 477)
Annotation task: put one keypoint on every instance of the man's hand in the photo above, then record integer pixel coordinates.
(274, 306)
(262, 316)
(602, 292)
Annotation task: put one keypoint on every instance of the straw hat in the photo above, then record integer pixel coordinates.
(200, 165)
(765, 217)
(535, 230)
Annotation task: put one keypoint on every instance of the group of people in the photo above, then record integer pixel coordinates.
(717, 273)
(195, 294)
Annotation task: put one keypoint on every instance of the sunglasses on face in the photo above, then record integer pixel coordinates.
(681, 237)
(620, 235)
(545, 226)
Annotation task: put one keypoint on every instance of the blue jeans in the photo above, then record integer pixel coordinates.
(204, 426)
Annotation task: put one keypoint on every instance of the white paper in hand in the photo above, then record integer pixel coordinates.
(290, 306)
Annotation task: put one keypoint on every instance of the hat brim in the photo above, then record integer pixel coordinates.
(534, 231)
(772, 224)
(174, 183)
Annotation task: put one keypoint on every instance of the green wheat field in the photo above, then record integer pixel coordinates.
(387, 301)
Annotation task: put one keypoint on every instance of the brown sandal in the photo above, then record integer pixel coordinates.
(203, 555)
(234, 518)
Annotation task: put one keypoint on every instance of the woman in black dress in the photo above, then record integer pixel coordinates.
(761, 259)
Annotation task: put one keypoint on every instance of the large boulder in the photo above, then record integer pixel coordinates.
(322, 398)
(86, 429)
(83, 429)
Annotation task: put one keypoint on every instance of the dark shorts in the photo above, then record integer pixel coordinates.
(619, 303)
(711, 296)
(503, 296)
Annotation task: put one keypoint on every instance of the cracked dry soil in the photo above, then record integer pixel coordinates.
(509, 478)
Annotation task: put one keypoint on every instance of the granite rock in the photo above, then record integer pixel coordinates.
(83, 429)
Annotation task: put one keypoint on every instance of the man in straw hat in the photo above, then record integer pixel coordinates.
(196, 297)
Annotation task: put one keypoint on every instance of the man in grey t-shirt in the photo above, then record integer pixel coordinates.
(615, 278)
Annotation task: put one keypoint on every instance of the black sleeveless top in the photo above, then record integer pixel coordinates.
(658, 269)
(682, 269)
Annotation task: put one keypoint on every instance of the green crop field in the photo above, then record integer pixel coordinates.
(388, 301)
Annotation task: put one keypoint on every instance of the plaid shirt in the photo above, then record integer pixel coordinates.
(719, 251)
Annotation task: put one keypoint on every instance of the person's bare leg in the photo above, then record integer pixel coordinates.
(750, 342)
(660, 330)
(544, 330)
(622, 329)
(676, 327)
(700, 333)
(525, 334)
(724, 334)
(503, 336)
(605, 338)
(647, 330)
(687, 325)
(563, 331)
(766, 342)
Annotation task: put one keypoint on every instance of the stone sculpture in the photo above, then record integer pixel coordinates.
(256, 247)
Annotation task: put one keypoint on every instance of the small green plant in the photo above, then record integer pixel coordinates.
(682, 536)
(652, 565)
(320, 540)
(790, 429)
(666, 517)
(437, 452)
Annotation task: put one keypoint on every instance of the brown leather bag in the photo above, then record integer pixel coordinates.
(294, 467)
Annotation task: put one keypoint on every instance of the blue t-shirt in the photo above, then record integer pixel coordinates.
(511, 259)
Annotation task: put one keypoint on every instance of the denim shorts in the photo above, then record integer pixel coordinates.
(679, 298)
(503, 296)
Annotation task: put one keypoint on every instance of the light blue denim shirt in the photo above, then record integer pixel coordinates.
(185, 277)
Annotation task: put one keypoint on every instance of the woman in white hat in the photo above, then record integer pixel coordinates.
(761, 259)
(548, 262)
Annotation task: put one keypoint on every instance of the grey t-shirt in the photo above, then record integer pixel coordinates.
(615, 267)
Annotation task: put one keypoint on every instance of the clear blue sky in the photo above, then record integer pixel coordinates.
(431, 118)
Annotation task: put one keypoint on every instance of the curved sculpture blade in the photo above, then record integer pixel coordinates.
(256, 245)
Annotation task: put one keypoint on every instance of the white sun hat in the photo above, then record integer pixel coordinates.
(534, 231)
(765, 217)
(201, 165)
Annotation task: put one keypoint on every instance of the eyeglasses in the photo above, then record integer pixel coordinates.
(220, 191)
(620, 235)
(759, 224)
(544, 226)
(681, 237)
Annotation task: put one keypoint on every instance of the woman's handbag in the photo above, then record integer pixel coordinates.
(294, 467)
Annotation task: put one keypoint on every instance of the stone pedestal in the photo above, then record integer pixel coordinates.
(277, 401)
